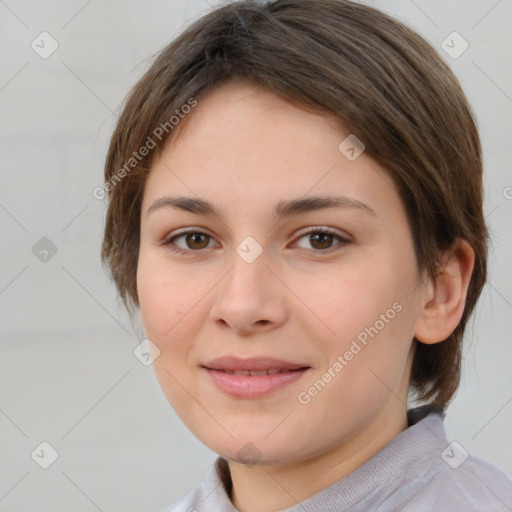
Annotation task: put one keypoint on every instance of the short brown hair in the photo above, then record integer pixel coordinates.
(387, 86)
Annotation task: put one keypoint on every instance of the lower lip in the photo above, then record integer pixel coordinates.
(245, 386)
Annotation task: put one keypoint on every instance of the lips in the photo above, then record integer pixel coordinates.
(252, 366)
(255, 373)
(256, 377)
(233, 363)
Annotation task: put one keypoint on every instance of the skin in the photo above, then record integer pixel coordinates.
(244, 149)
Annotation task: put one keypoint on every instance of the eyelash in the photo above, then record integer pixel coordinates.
(169, 243)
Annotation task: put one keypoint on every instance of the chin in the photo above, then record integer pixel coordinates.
(259, 451)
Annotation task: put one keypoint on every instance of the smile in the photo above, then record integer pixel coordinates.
(255, 373)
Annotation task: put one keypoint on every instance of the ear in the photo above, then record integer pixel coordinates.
(445, 296)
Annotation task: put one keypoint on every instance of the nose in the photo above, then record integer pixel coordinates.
(250, 299)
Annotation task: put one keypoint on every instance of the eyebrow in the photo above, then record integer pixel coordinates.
(282, 209)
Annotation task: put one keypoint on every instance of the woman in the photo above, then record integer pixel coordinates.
(295, 207)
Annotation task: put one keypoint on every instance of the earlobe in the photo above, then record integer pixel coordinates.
(445, 298)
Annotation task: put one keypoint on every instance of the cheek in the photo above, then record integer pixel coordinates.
(156, 302)
(366, 364)
(368, 319)
(169, 318)
(163, 299)
(351, 299)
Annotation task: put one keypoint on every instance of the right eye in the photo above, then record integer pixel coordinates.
(191, 241)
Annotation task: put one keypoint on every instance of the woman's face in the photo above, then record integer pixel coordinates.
(272, 273)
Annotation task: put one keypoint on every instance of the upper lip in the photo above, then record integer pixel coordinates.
(253, 363)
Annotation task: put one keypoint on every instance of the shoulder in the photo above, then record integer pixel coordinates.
(454, 480)
(435, 474)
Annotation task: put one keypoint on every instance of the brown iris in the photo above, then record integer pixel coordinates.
(197, 240)
(321, 239)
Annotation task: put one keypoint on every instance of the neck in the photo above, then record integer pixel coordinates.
(275, 488)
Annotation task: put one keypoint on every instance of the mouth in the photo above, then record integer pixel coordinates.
(257, 373)
(253, 378)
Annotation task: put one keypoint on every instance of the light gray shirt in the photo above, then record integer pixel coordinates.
(418, 471)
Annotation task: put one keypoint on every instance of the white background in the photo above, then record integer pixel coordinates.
(67, 372)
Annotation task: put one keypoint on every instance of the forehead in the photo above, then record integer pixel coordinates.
(243, 142)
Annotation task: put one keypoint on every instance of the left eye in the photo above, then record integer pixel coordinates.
(322, 239)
